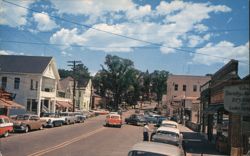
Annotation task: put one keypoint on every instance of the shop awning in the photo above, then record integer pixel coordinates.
(10, 104)
(64, 104)
(212, 109)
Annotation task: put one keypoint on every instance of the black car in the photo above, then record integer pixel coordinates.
(136, 119)
(151, 120)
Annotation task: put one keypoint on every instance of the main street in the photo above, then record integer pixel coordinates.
(88, 139)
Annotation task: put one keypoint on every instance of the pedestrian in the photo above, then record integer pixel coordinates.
(146, 132)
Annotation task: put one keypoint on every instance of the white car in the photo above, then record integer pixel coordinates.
(52, 120)
(168, 123)
(171, 132)
(155, 149)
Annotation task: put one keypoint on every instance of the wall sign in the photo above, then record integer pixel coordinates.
(237, 99)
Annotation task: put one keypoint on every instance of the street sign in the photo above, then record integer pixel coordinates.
(237, 99)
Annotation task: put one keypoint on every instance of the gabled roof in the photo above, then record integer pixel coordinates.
(23, 64)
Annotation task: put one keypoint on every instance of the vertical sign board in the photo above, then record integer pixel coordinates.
(237, 99)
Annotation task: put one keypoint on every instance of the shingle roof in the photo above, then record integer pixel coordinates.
(23, 64)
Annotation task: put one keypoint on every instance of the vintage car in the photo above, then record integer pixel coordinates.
(68, 117)
(168, 135)
(113, 120)
(136, 119)
(80, 117)
(52, 119)
(155, 149)
(6, 126)
(28, 122)
(168, 123)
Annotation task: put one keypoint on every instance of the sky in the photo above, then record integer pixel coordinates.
(183, 37)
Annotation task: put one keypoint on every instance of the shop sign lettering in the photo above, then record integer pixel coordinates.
(237, 99)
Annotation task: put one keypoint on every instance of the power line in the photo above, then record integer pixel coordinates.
(143, 47)
(201, 32)
(115, 34)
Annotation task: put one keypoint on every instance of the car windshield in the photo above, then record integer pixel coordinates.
(168, 133)
(48, 115)
(22, 117)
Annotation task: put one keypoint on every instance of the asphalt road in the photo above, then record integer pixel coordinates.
(86, 139)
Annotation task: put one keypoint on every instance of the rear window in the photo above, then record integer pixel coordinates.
(114, 117)
(169, 125)
(143, 153)
(172, 134)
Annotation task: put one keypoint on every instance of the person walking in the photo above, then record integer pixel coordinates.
(146, 132)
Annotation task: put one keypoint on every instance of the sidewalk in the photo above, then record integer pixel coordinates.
(195, 144)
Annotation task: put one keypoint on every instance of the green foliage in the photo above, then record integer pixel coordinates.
(159, 86)
(120, 82)
(81, 73)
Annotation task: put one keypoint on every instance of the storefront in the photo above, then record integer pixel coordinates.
(217, 118)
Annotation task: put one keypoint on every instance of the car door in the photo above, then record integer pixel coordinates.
(35, 123)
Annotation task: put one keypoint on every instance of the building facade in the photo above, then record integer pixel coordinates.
(32, 79)
(182, 94)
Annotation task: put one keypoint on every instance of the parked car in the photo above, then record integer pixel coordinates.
(136, 119)
(155, 149)
(168, 123)
(151, 120)
(79, 117)
(113, 120)
(52, 119)
(168, 135)
(28, 122)
(68, 117)
(6, 126)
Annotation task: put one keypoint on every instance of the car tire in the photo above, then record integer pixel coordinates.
(6, 133)
(41, 128)
(27, 129)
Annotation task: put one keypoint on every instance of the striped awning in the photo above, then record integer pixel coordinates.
(10, 104)
(64, 104)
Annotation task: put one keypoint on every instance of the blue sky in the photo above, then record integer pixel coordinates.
(182, 37)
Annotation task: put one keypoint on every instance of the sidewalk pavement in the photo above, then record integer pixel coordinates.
(195, 144)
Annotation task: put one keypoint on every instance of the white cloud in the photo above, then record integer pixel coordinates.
(44, 23)
(179, 19)
(9, 52)
(194, 40)
(91, 7)
(223, 49)
(14, 16)
(67, 37)
(137, 13)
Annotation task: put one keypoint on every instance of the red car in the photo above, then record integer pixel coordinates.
(114, 120)
(6, 126)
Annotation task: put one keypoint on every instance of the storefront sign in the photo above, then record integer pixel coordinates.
(237, 99)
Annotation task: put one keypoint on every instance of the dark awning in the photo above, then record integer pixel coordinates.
(212, 109)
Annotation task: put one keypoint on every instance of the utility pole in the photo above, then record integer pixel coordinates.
(73, 65)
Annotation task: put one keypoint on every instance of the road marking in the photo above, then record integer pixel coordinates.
(66, 143)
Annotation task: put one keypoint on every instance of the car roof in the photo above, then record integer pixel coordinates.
(169, 122)
(170, 129)
(159, 148)
(114, 114)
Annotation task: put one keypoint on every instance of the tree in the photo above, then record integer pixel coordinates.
(159, 86)
(116, 78)
(81, 73)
